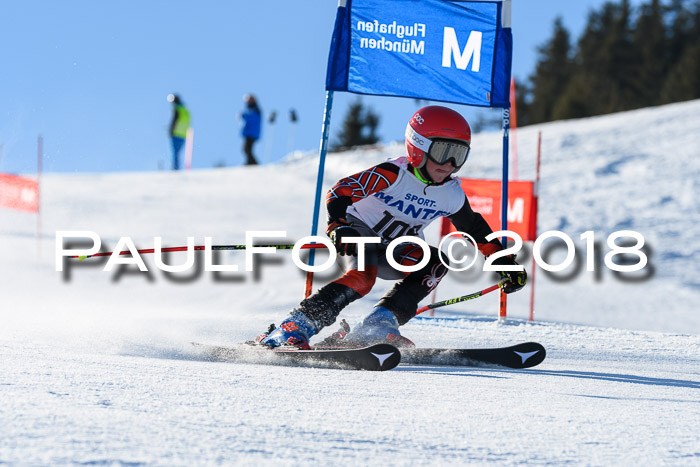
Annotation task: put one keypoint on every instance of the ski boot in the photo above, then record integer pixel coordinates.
(294, 331)
(379, 326)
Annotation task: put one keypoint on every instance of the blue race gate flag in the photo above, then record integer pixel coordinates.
(450, 51)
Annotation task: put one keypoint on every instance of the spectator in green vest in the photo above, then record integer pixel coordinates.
(178, 127)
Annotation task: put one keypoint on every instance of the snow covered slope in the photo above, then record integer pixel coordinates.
(97, 368)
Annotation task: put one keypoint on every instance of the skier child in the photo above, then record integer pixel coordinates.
(396, 198)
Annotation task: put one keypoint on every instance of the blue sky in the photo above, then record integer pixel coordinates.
(92, 78)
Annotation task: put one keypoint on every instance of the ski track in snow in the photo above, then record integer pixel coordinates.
(97, 367)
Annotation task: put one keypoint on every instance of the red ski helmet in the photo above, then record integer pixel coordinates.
(439, 133)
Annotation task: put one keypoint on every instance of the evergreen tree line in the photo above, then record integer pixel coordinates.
(626, 58)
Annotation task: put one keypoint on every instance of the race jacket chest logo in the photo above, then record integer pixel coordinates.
(411, 206)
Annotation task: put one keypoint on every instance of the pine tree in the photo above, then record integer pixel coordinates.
(603, 68)
(652, 46)
(551, 75)
(579, 98)
(682, 82)
(359, 127)
(681, 30)
(624, 62)
(523, 103)
(609, 59)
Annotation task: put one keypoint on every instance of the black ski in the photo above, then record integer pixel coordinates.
(524, 355)
(379, 357)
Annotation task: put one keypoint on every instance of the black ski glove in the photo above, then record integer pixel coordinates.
(339, 229)
(516, 280)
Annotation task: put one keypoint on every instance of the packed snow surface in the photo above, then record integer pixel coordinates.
(97, 366)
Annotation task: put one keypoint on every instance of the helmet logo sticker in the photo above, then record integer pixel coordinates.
(420, 141)
(417, 140)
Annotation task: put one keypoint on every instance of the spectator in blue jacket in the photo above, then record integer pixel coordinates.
(252, 122)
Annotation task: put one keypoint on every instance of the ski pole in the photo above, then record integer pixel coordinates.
(306, 246)
(463, 298)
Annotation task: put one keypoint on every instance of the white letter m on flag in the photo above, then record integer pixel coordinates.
(472, 51)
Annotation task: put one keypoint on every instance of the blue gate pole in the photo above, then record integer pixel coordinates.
(502, 313)
(325, 130)
(504, 177)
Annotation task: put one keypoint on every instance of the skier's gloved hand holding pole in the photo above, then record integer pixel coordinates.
(516, 280)
(339, 229)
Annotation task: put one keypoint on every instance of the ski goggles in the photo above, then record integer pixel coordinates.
(443, 151)
(440, 150)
